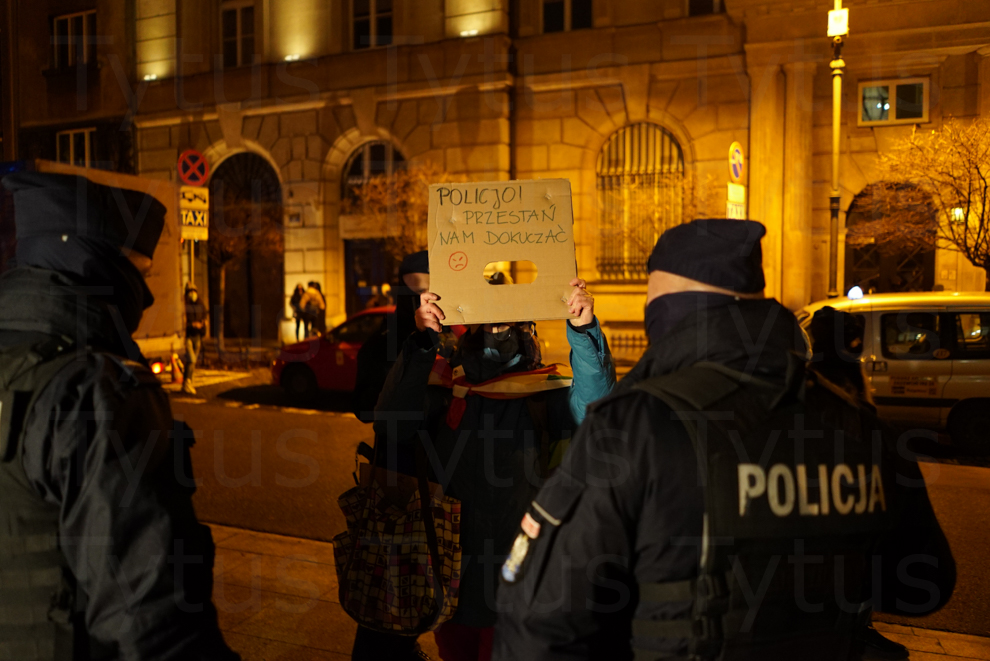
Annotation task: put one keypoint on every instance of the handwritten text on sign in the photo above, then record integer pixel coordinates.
(472, 225)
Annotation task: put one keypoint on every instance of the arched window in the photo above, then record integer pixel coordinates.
(890, 239)
(368, 264)
(640, 194)
(369, 160)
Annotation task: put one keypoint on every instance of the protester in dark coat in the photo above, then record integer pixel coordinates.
(487, 452)
(374, 360)
(625, 550)
(378, 354)
(836, 345)
(96, 464)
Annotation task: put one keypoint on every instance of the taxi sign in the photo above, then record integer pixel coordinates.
(194, 209)
(735, 202)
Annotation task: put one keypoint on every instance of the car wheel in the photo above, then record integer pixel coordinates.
(299, 381)
(969, 426)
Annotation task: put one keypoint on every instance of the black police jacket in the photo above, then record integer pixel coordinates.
(626, 508)
(101, 449)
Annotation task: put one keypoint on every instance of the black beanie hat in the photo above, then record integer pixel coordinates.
(417, 262)
(721, 252)
(47, 204)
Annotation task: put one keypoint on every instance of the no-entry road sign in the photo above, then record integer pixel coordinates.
(193, 168)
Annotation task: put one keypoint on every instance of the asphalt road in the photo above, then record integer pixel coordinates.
(266, 465)
(271, 467)
(961, 498)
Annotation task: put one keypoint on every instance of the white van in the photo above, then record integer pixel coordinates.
(927, 359)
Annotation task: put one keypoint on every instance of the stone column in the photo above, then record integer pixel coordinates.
(983, 89)
(797, 251)
(766, 164)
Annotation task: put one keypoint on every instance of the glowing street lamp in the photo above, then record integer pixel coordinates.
(838, 27)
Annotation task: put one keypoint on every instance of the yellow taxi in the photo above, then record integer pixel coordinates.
(927, 358)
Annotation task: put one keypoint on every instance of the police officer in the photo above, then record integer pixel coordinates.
(723, 503)
(103, 557)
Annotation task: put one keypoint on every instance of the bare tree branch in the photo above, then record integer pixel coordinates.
(951, 166)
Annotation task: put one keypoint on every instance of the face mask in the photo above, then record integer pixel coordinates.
(487, 355)
(667, 311)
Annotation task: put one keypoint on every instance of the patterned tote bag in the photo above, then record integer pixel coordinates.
(399, 561)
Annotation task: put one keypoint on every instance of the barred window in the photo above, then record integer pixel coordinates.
(640, 194)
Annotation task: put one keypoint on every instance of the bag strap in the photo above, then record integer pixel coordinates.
(537, 405)
(425, 502)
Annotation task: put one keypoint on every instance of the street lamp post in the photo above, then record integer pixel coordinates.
(838, 27)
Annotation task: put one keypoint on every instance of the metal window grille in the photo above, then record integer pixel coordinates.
(640, 194)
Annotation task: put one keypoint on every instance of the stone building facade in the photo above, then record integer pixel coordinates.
(610, 94)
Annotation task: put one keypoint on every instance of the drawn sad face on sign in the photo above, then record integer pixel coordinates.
(458, 261)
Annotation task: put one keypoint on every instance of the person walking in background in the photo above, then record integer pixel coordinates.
(195, 330)
(315, 308)
(297, 310)
(103, 557)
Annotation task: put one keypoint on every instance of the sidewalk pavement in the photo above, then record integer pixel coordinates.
(277, 599)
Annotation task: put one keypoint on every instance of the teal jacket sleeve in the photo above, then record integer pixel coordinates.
(591, 362)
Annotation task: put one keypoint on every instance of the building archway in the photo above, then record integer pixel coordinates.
(895, 247)
(245, 248)
(640, 186)
(367, 263)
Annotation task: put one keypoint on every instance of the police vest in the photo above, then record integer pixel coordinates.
(797, 487)
(36, 588)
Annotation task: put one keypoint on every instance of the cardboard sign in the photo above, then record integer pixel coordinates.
(474, 224)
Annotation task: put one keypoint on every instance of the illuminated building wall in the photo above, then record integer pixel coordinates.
(544, 88)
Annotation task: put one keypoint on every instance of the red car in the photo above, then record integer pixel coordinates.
(328, 362)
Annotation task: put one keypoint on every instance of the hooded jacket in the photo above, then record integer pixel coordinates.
(629, 509)
(101, 447)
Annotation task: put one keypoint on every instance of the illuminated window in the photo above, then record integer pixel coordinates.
(564, 15)
(704, 7)
(640, 187)
(237, 23)
(74, 39)
(893, 101)
(367, 161)
(372, 22)
(75, 147)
